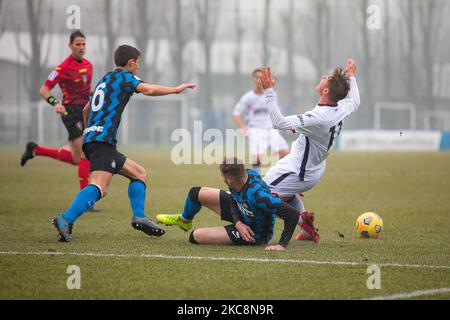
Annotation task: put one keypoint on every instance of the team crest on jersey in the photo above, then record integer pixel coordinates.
(245, 210)
(80, 125)
(84, 78)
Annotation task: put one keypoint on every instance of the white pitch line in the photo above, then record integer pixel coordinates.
(412, 294)
(242, 259)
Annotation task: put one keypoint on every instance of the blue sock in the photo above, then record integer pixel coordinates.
(84, 200)
(136, 193)
(191, 206)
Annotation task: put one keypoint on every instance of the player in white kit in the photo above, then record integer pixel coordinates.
(259, 127)
(303, 168)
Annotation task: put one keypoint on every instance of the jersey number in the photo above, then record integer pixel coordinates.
(100, 95)
(334, 134)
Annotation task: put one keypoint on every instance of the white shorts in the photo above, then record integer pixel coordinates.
(287, 183)
(261, 140)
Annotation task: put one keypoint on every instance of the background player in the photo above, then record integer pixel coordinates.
(259, 130)
(103, 115)
(251, 208)
(303, 168)
(74, 76)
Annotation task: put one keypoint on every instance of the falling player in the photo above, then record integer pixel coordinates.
(74, 76)
(303, 168)
(259, 127)
(102, 116)
(250, 207)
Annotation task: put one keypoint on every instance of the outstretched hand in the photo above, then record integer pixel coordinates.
(266, 79)
(351, 68)
(185, 86)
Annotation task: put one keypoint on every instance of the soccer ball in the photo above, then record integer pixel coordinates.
(369, 225)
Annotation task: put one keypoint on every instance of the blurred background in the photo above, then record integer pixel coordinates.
(402, 49)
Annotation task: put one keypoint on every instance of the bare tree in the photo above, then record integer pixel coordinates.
(316, 39)
(366, 60)
(111, 33)
(288, 19)
(430, 18)
(388, 55)
(144, 30)
(208, 16)
(409, 53)
(34, 9)
(179, 29)
(239, 30)
(266, 34)
(3, 14)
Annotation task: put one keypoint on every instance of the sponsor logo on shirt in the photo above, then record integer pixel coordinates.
(93, 129)
(244, 210)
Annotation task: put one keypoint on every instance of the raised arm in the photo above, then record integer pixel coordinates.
(302, 123)
(352, 100)
(157, 90)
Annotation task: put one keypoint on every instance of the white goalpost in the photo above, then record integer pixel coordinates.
(440, 116)
(394, 108)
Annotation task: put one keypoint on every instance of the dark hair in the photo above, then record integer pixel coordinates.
(339, 85)
(256, 71)
(233, 168)
(75, 34)
(124, 53)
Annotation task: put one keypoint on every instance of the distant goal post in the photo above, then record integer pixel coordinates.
(395, 108)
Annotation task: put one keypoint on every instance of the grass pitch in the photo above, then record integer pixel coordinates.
(411, 192)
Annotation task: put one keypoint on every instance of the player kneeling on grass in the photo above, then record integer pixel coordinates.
(249, 206)
(102, 116)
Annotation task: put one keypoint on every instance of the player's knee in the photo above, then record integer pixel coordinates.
(103, 189)
(193, 194)
(192, 238)
(141, 174)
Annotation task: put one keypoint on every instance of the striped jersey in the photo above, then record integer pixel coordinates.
(257, 207)
(318, 129)
(110, 97)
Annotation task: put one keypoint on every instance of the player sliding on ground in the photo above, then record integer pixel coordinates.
(249, 206)
(102, 116)
(303, 168)
(74, 76)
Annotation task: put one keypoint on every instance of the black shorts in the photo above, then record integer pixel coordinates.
(225, 214)
(104, 157)
(73, 121)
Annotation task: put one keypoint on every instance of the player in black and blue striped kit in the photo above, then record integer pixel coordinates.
(249, 206)
(102, 118)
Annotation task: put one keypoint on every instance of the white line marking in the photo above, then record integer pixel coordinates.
(266, 260)
(412, 294)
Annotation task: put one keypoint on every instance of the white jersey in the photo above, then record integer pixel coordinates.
(318, 130)
(255, 106)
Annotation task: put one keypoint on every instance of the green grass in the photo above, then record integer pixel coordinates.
(411, 192)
